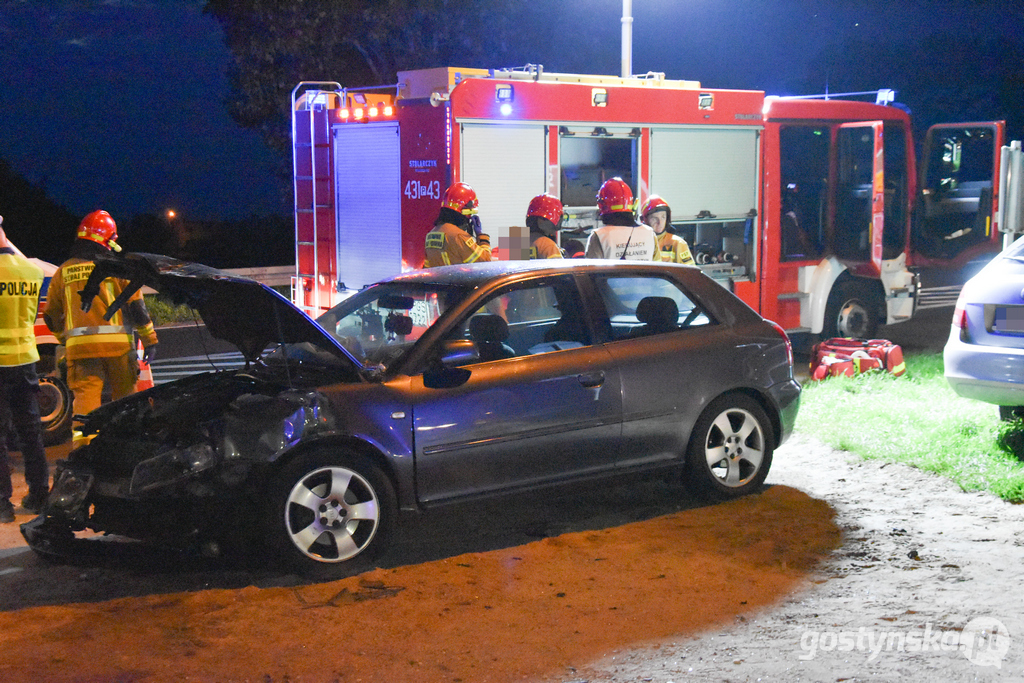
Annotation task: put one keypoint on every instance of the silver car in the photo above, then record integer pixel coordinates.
(429, 388)
(984, 355)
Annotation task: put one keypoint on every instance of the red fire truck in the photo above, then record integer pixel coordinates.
(811, 210)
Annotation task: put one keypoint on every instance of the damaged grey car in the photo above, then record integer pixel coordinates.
(431, 387)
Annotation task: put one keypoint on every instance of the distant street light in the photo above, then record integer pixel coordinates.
(171, 215)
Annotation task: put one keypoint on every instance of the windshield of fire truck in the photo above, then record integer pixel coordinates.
(380, 323)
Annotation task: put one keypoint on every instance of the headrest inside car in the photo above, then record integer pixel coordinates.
(488, 328)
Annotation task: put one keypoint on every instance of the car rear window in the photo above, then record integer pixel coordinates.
(639, 306)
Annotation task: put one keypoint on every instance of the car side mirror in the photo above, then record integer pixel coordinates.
(445, 371)
(458, 352)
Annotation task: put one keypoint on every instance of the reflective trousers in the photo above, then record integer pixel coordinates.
(87, 376)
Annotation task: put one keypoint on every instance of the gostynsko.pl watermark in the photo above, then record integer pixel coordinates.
(983, 641)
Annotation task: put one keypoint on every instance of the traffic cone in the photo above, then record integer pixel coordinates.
(145, 380)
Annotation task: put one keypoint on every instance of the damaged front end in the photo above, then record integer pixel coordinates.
(182, 464)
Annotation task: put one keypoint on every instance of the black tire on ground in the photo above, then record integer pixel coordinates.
(853, 310)
(55, 412)
(330, 514)
(730, 449)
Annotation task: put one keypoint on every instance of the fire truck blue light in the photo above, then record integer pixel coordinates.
(506, 109)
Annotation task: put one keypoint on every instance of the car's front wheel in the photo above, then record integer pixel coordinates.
(331, 514)
(730, 449)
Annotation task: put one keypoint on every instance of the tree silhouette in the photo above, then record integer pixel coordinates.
(37, 225)
(278, 43)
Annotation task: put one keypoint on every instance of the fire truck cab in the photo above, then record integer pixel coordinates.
(804, 208)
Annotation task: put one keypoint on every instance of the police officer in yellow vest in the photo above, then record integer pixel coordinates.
(98, 350)
(20, 282)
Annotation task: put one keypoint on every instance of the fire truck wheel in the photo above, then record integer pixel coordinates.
(730, 449)
(331, 513)
(54, 410)
(852, 310)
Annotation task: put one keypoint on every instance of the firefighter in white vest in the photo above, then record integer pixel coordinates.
(457, 236)
(98, 351)
(621, 237)
(20, 283)
(658, 215)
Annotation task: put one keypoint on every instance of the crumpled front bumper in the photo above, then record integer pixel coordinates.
(51, 538)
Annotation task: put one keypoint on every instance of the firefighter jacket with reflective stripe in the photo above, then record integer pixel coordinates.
(20, 282)
(449, 244)
(674, 249)
(544, 247)
(87, 334)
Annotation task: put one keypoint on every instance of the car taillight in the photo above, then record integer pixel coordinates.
(785, 337)
(960, 318)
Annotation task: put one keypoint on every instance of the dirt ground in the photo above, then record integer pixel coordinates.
(841, 570)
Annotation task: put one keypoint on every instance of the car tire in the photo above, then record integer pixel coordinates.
(730, 449)
(852, 310)
(331, 513)
(55, 401)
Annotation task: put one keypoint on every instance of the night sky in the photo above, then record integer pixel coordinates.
(118, 104)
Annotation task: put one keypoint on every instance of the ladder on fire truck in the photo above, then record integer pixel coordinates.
(314, 212)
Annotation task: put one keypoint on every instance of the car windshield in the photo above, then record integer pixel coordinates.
(380, 323)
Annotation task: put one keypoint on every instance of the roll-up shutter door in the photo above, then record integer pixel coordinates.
(506, 166)
(705, 169)
(368, 203)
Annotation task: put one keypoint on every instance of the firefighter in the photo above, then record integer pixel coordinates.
(457, 236)
(20, 284)
(621, 237)
(658, 215)
(98, 351)
(543, 217)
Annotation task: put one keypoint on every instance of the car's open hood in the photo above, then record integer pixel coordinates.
(244, 312)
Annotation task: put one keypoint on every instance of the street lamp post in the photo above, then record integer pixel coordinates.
(627, 38)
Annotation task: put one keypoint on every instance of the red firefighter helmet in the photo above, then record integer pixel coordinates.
(545, 206)
(614, 197)
(100, 228)
(462, 198)
(653, 203)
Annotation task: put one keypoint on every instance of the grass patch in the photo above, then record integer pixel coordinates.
(918, 420)
(164, 312)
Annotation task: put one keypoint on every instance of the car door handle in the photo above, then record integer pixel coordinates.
(591, 379)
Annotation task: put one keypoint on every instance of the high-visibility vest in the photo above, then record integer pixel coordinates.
(20, 283)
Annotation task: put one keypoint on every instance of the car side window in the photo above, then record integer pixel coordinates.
(541, 316)
(639, 306)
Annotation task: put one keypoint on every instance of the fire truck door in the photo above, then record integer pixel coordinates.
(957, 201)
(506, 166)
(369, 232)
(860, 197)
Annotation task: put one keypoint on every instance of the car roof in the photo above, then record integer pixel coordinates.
(475, 274)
